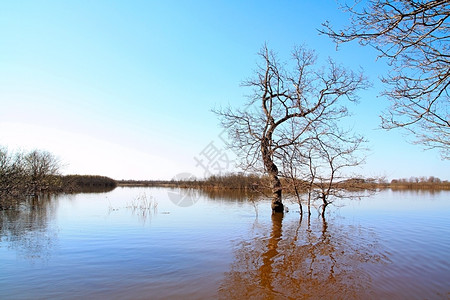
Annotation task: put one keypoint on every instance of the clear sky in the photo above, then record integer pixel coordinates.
(125, 88)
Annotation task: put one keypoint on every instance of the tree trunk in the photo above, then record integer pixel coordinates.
(325, 204)
(277, 204)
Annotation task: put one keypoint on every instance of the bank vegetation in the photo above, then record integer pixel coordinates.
(255, 182)
(31, 174)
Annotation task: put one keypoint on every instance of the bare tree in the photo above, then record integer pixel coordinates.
(27, 174)
(41, 168)
(319, 167)
(11, 173)
(414, 36)
(333, 152)
(285, 107)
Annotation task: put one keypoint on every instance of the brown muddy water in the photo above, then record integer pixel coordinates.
(155, 243)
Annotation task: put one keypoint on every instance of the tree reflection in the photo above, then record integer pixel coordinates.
(296, 261)
(27, 228)
(230, 195)
(266, 270)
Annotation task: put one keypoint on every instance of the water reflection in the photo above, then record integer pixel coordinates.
(417, 192)
(26, 229)
(94, 189)
(230, 195)
(94, 246)
(303, 259)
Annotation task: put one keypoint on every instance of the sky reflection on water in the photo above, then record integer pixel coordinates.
(392, 245)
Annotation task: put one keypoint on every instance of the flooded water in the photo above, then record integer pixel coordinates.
(155, 243)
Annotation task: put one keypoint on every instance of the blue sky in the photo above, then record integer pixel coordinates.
(125, 88)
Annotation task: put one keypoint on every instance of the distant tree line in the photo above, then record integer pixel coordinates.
(256, 182)
(86, 183)
(430, 182)
(244, 181)
(239, 181)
